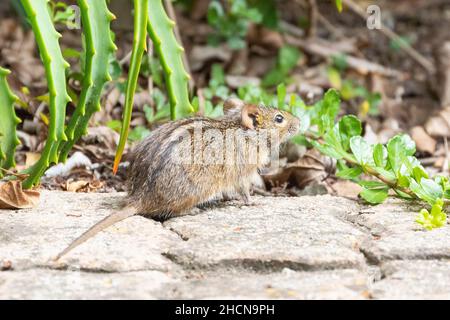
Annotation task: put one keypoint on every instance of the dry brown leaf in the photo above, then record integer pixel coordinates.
(200, 55)
(31, 158)
(12, 196)
(5, 265)
(312, 167)
(347, 188)
(240, 81)
(265, 37)
(102, 136)
(75, 186)
(423, 141)
(439, 163)
(82, 186)
(18, 51)
(439, 126)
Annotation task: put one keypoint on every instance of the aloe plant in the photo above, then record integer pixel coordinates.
(55, 67)
(98, 47)
(139, 46)
(170, 52)
(8, 123)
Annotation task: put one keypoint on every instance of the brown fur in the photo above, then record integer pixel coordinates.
(160, 186)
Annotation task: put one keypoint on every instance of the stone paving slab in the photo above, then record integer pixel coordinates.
(31, 238)
(54, 284)
(418, 279)
(286, 284)
(311, 247)
(396, 235)
(271, 234)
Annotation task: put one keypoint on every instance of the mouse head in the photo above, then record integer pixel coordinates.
(256, 117)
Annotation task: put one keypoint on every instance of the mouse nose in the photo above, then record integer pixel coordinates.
(295, 126)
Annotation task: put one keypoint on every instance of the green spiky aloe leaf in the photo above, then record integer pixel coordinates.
(160, 29)
(55, 66)
(8, 123)
(139, 46)
(98, 46)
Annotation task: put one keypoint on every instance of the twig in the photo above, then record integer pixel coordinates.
(173, 16)
(413, 53)
(361, 65)
(40, 108)
(327, 24)
(19, 175)
(318, 17)
(125, 59)
(291, 29)
(312, 28)
(428, 161)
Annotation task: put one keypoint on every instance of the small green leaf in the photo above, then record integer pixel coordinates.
(71, 53)
(409, 144)
(329, 109)
(399, 147)
(374, 196)
(362, 151)
(350, 173)
(274, 77)
(333, 139)
(215, 12)
(431, 188)
(305, 119)
(447, 194)
(436, 219)
(334, 77)
(115, 125)
(288, 58)
(428, 190)
(380, 155)
(326, 150)
(372, 185)
(403, 195)
(217, 76)
(403, 181)
(281, 95)
(349, 126)
(138, 133)
(386, 173)
(419, 173)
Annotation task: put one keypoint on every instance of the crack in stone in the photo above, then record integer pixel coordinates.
(71, 268)
(178, 233)
(257, 265)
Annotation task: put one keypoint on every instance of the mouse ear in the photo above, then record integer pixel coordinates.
(249, 116)
(233, 106)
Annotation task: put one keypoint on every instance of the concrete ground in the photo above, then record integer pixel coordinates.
(312, 247)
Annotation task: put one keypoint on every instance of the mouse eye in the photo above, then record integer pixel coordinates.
(279, 118)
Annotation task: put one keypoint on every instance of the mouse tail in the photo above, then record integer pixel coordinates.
(108, 221)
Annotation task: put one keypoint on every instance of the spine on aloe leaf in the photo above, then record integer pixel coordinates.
(98, 46)
(8, 123)
(139, 46)
(170, 52)
(55, 69)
